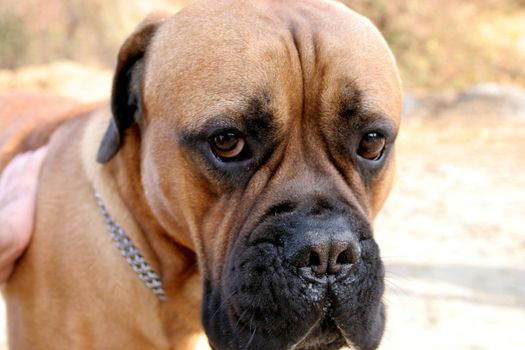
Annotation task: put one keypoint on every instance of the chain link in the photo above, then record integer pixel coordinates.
(131, 253)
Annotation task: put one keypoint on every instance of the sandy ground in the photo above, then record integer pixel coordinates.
(453, 231)
(453, 238)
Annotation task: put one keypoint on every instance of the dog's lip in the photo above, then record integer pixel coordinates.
(308, 341)
(328, 338)
(318, 345)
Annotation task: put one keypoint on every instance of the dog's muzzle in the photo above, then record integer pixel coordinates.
(307, 276)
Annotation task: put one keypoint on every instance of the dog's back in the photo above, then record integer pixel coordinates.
(27, 121)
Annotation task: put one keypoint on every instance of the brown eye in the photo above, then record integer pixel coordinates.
(371, 146)
(227, 145)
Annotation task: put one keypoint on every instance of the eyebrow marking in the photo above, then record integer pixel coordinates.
(254, 119)
(358, 116)
(259, 118)
(355, 110)
(351, 101)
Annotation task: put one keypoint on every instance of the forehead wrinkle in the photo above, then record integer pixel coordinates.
(191, 80)
(356, 107)
(256, 110)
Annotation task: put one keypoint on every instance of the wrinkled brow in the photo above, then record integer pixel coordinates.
(254, 118)
(356, 114)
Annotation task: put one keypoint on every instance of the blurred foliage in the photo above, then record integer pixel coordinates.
(13, 38)
(90, 32)
(452, 43)
(438, 43)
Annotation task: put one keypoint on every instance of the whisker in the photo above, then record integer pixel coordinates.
(253, 333)
(223, 304)
(239, 318)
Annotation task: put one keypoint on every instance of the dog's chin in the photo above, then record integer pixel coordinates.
(325, 335)
(329, 331)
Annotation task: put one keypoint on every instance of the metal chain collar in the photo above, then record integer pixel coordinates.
(131, 253)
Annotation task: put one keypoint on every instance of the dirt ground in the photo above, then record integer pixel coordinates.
(452, 234)
(453, 230)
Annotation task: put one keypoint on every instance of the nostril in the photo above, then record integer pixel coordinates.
(345, 257)
(314, 259)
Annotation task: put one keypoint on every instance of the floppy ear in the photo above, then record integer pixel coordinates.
(126, 98)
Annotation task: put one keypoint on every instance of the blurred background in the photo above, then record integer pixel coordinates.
(453, 231)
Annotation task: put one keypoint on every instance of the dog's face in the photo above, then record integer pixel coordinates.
(267, 133)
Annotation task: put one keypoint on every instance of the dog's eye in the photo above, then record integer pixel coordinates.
(371, 146)
(227, 145)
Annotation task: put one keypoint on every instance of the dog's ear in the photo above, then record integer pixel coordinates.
(126, 94)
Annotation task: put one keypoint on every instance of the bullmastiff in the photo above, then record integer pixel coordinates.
(227, 189)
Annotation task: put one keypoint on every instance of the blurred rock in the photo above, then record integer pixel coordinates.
(488, 100)
(65, 78)
(427, 104)
(507, 100)
(410, 104)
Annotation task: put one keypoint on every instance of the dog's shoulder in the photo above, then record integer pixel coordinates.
(28, 120)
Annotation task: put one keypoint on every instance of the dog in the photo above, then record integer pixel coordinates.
(227, 189)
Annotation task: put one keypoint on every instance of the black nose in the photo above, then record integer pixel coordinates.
(324, 251)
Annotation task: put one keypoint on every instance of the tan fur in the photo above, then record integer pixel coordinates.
(72, 289)
(28, 119)
(87, 288)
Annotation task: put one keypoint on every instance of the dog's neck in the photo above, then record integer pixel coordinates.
(175, 263)
(130, 252)
(174, 260)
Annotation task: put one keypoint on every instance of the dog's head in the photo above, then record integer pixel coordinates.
(267, 147)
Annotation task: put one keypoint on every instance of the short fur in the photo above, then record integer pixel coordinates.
(303, 81)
